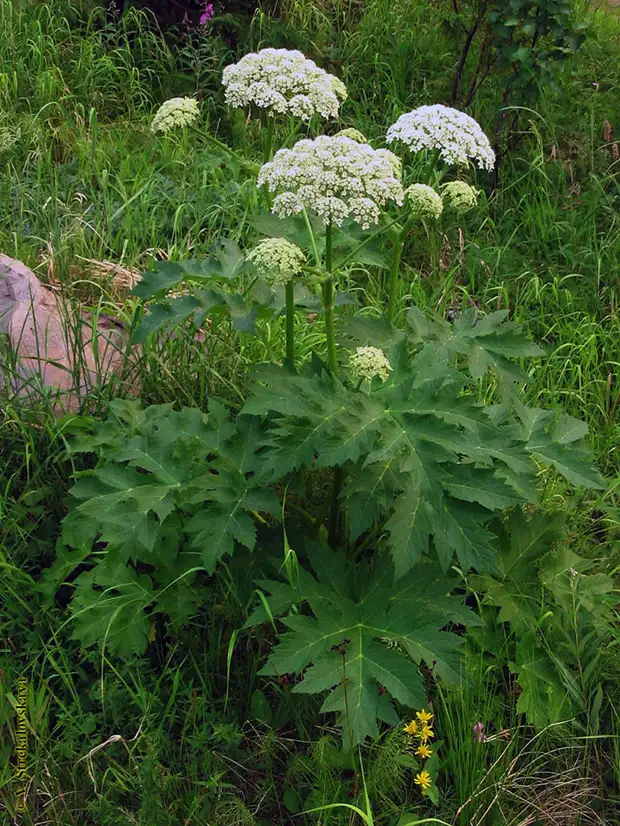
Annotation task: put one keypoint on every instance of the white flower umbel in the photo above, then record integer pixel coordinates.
(283, 82)
(459, 196)
(336, 177)
(277, 260)
(456, 136)
(368, 362)
(174, 114)
(424, 202)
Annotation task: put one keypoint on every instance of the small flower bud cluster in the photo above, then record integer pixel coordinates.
(456, 136)
(175, 113)
(336, 177)
(283, 82)
(459, 196)
(354, 134)
(277, 260)
(368, 362)
(424, 202)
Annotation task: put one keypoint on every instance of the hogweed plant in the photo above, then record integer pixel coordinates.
(336, 178)
(363, 486)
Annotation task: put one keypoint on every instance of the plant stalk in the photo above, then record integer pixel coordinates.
(394, 272)
(332, 357)
(328, 302)
(268, 139)
(290, 325)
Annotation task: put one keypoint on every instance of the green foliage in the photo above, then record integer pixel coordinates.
(524, 41)
(560, 616)
(424, 466)
(171, 490)
(423, 457)
(367, 638)
(83, 180)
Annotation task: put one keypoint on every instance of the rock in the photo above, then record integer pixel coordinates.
(49, 349)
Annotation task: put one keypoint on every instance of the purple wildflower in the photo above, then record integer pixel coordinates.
(207, 14)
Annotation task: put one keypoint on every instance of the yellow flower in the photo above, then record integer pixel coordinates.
(423, 751)
(412, 728)
(425, 734)
(423, 780)
(424, 716)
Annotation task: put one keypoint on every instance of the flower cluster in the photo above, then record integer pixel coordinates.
(456, 136)
(368, 362)
(424, 202)
(459, 196)
(277, 260)
(352, 133)
(336, 177)
(206, 13)
(420, 728)
(175, 113)
(283, 82)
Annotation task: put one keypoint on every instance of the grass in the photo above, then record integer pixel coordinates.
(189, 733)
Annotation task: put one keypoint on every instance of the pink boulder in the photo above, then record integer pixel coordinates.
(47, 348)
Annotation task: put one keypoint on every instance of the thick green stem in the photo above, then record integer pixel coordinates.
(290, 325)
(268, 139)
(431, 172)
(315, 250)
(332, 356)
(330, 335)
(397, 255)
(267, 134)
(328, 301)
(329, 248)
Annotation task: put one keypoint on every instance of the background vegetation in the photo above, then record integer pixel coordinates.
(189, 733)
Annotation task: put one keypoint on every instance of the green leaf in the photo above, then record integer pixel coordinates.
(294, 229)
(488, 342)
(125, 505)
(242, 314)
(113, 618)
(523, 543)
(157, 282)
(411, 446)
(223, 264)
(460, 530)
(260, 708)
(554, 438)
(542, 698)
(410, 525)
(173, 312)
(355, 648)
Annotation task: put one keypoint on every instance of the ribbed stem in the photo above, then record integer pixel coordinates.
(267, 145)
(329, 248)
(394, 272)
(290, 325)
(328, 304)
(328, 301)
(268, 139)
(330, 335)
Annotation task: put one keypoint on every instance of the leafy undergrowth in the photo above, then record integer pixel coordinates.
(206, 637)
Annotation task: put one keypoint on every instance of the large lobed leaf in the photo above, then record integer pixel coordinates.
(173, 489)
(367, 638)
(423, 458)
